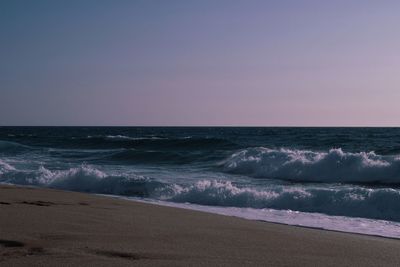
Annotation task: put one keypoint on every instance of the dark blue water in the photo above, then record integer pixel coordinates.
(352, 172)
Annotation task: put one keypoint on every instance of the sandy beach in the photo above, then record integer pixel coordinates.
(44, 227)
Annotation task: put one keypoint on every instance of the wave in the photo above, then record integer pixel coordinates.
(5, 167)
(12, 147)
(84, 178)
(152, 142)
(130, 156)
(352, 201)
(123, 137)
(381, 203)
(135, 156)
(139, 156)
(309, 166)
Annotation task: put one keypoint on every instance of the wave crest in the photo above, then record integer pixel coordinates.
(5, 167)
(309, 166)
(381, 203)
(354, 201)
(124, 138)
(84, 178)
(13, 147)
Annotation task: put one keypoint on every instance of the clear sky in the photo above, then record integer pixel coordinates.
(265, 63)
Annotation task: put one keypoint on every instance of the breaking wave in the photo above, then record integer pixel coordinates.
(381, 203)
(83, 179)
(309, 166)
(5, 167)
(326, 171)
(352, 201)
(123, 137)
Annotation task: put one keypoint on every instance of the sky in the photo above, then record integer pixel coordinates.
(200, 63)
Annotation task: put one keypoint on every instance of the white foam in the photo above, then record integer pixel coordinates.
(355, 201)
(341, 200)
(5, 167)
(303, 165)
(123, 137)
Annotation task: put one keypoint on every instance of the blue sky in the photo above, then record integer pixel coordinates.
(265, 63)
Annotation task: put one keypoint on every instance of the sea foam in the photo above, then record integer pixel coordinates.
(354, 201)
(310, 166)
(377, 203)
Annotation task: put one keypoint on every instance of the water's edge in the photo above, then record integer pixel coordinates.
(339, 224)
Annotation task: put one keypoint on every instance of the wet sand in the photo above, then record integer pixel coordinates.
(44, 227)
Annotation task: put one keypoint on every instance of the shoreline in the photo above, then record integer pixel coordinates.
(41, 226)
(218, 211)
(195, 207)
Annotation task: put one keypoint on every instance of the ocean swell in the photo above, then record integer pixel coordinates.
(12, 147)
(186, 143)
(309, 166)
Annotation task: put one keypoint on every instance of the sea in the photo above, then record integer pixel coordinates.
(341, 179)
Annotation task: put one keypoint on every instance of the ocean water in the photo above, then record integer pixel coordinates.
(345, 179)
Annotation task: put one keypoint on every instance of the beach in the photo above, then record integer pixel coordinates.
(199, 133)
(47, 227)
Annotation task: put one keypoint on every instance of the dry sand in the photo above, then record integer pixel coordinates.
(43, 227)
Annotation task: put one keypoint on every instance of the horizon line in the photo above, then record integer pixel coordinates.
(205, 126)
